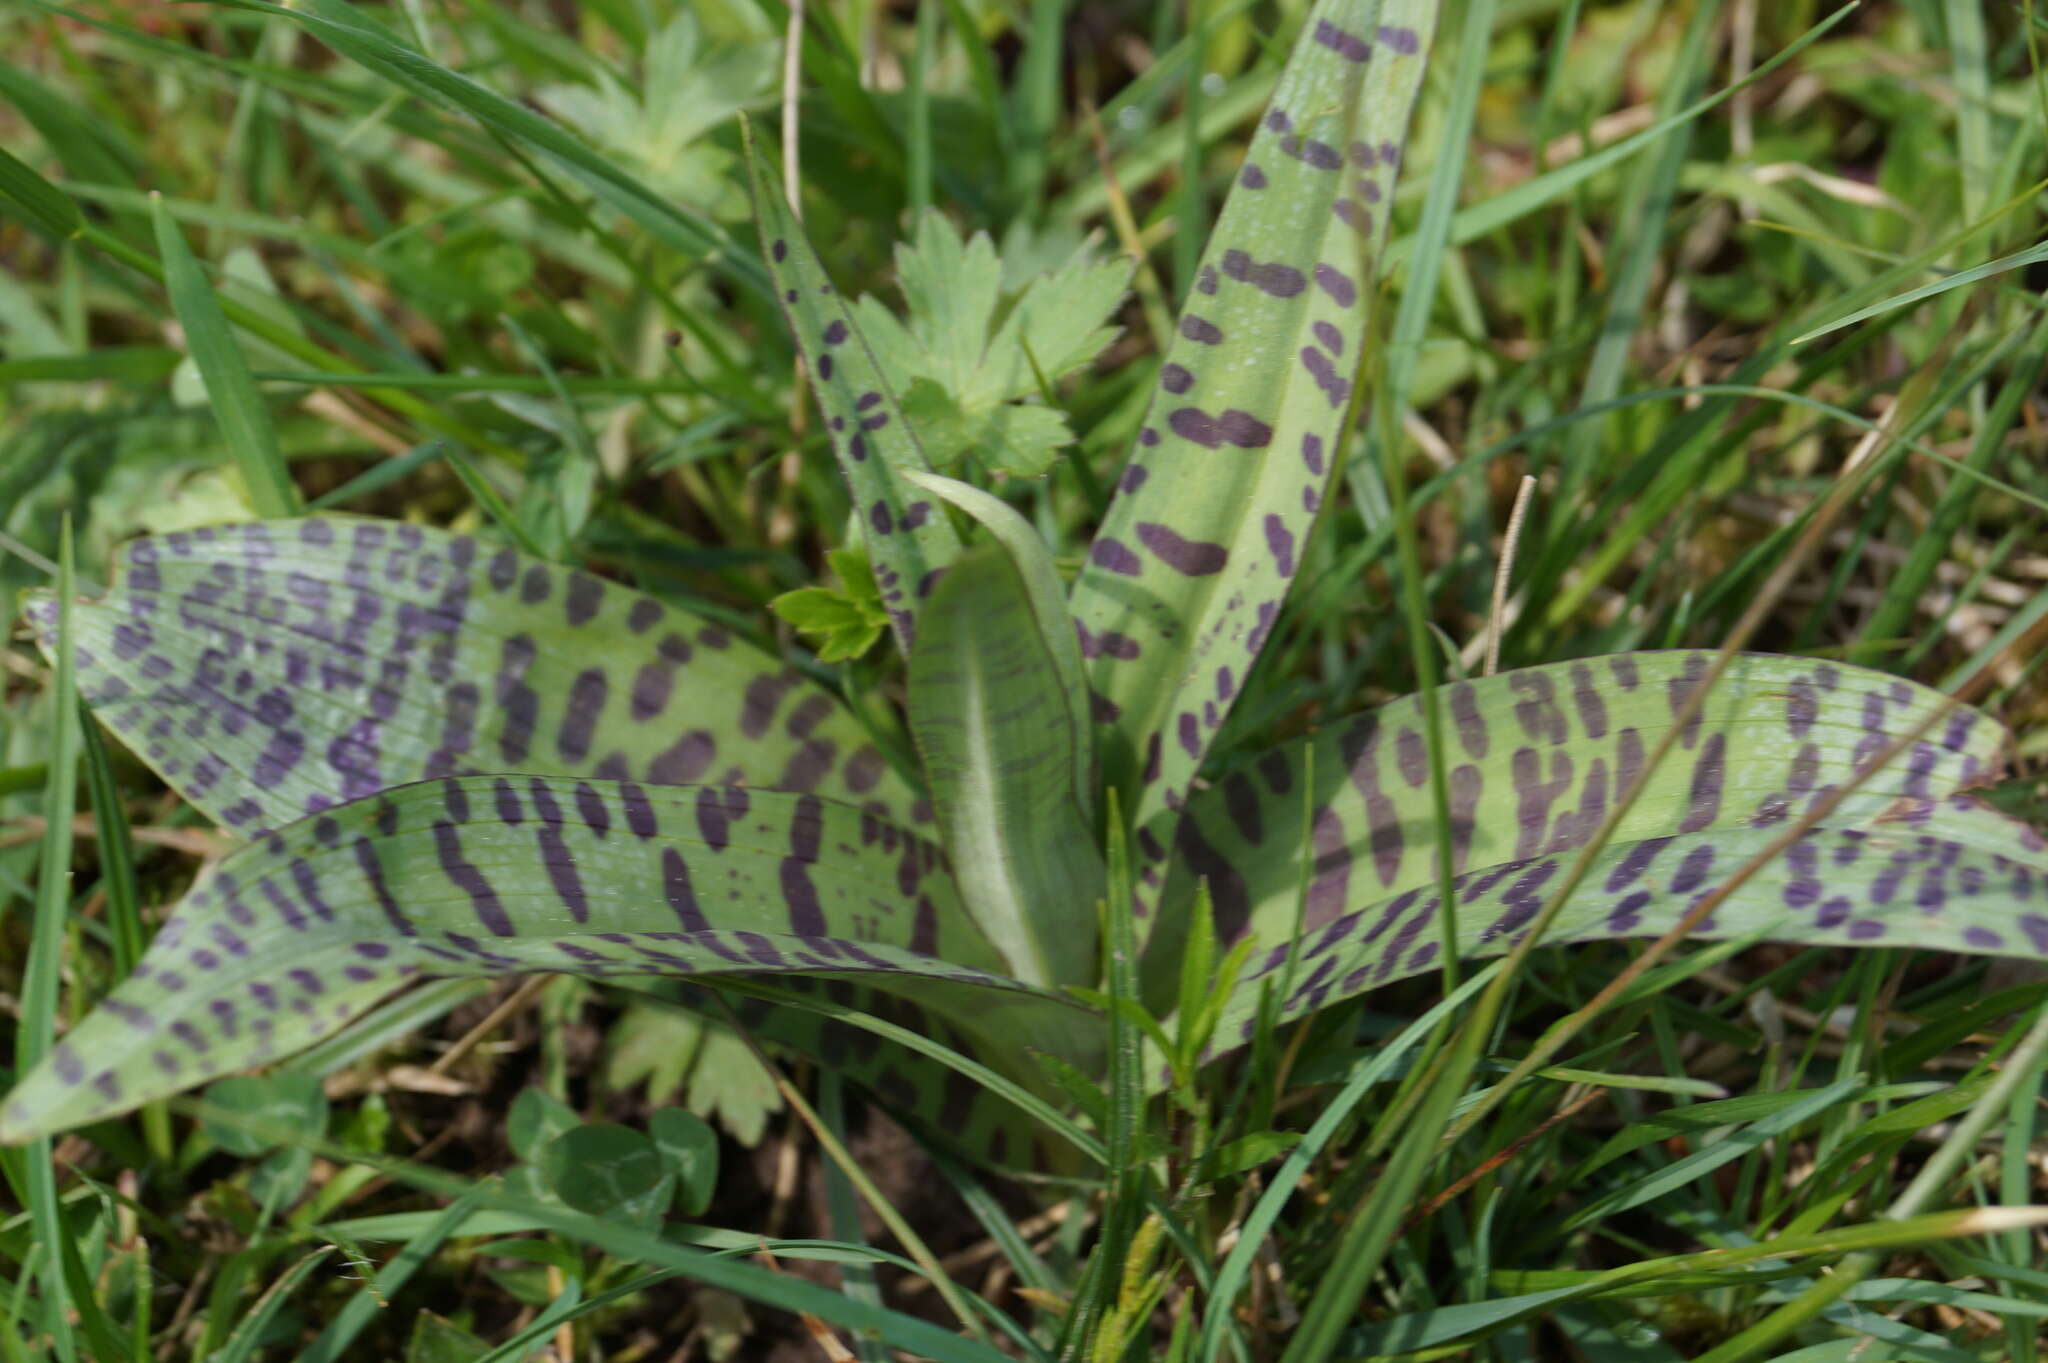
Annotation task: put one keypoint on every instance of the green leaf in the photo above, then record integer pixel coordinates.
(907, 543)
(537, 1117)
(287, 1099)
(689, 1151)
(1956, 878)
(961, 373)
(37, 202)
(230, 390)
(1186, 576)
(1021, 439)
(1534, 760)
(691, 87)
(993, 720)
(436, 1339)
(653, 1046)
(377, 49)
(730, 1085)
(838, 627)
(609, 1171)
(1248, 1152)
(1041, 580)
(286, 940)
(844, 623)
(271, 670)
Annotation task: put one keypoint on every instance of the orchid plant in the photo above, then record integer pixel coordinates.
(439, 756)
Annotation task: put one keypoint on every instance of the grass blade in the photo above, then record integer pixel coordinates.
(230, 389)
(38, 1034)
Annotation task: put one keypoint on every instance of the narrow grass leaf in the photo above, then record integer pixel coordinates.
(36, 1041)
(1960, 279)
(244, 1344)
(35, 201)
(363, 1307)
(381, 475)
(231, 392)
(1729, 1146)
(125, 364)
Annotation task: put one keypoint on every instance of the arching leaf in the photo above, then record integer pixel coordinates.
(992, 716)
(1537, 756)
(1951, 875)
(1187, 574)
(290, 937)
(275, 669)
(909, 539)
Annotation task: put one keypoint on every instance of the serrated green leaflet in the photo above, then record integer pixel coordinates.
(269, 671)
(993, 725)
(910, 541)
(961, 372)
(1186, 576)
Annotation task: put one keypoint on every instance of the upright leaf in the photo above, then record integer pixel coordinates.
(230, 388)
(910, 541)
(1046, 598)
(1186, 577)
(287, 939)
(991, 712)
(272, 670)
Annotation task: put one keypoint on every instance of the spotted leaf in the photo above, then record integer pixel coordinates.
(1954, 875)
(992, 718)
(290, 937)
(1534, 759)
(908, 536)
(1188, 571)
(275, 669)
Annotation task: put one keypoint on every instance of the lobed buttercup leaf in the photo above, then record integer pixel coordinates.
(275, 669)
(292, 936)
(909, 540)
(962, 372)
(1186, 576)
(943, 1103)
